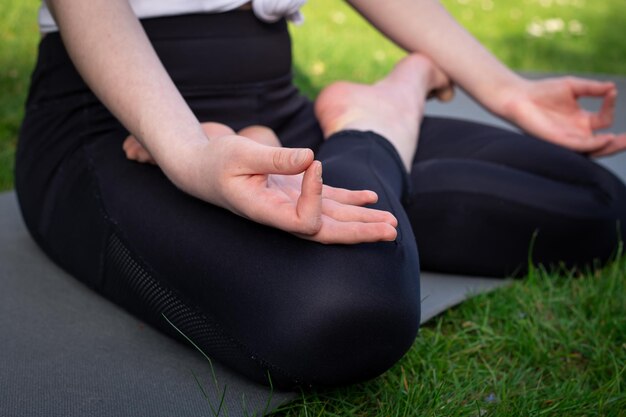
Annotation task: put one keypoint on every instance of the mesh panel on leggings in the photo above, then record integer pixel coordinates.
(129, 284)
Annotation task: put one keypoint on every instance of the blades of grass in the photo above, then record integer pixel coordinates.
(532, 274)
(197, 348)
(269, 399)
(203, 392)
(219, 409)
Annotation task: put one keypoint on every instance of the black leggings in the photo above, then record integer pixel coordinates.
(260, 300)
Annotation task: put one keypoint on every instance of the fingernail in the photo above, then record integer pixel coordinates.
(318, 169)
(298, 157)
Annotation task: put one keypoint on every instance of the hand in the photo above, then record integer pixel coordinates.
(282, 188)
(549, 110)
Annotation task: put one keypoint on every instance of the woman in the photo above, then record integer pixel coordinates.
(202, 240)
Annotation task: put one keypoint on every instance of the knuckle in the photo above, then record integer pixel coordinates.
(279, 160)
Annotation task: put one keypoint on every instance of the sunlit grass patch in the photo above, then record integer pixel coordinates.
(553, 344)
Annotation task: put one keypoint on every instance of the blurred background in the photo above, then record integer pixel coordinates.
(574, 36)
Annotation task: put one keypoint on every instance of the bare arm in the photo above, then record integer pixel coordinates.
(547, 109)
(425, 26)
(112, 53)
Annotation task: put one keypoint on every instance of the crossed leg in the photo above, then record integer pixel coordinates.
(392, 107)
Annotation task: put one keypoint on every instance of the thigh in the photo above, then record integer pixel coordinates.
(253, 297)
(484, 200)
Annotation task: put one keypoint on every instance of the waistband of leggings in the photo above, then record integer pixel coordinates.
(232, 51)
(232, 24)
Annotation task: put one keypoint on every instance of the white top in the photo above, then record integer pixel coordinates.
(267, 10)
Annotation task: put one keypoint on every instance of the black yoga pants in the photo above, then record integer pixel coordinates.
(260, 300)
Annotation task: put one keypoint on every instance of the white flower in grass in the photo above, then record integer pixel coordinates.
(380, 55)
(338, 17)
(535, 29)
(487, 5)
(575, 27)
(554, 25)
(318, 68)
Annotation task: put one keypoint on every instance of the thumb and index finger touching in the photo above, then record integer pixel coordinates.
(604, 117)
(581, 87)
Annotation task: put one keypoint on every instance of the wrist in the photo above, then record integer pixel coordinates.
(188, 165)
(506, 96)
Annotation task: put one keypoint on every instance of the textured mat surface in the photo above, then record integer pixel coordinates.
(65, 351)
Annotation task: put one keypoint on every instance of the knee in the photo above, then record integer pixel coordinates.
(604, 224)
(353, 325)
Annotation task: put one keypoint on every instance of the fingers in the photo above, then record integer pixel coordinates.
(588, 145)
(616, 144)
(348, 233)
(583, 87)
(330, 221)
(356, 198)
(254, 158)
(309, 205)
(349, 213)
(604, 118)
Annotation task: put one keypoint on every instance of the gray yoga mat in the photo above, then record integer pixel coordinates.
(65, 351)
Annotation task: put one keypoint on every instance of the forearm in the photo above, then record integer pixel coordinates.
(425, 26)
(114, 56)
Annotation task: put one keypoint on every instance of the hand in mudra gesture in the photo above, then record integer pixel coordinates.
(549, 109)
(283, 188)
(278, 187)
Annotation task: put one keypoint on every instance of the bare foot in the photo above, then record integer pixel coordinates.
(261, 134)
(393, 107)
(137, 152)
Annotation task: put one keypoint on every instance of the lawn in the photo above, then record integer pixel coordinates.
(533, 35)
(553, 344)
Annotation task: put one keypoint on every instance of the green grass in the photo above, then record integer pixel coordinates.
(553, 344)
(539, 35)
(18, 40)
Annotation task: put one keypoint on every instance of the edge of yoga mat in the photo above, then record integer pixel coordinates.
(65, 351)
